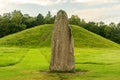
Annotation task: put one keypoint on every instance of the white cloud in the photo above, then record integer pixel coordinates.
(6, 4)
(94, 2)
(61, 1)
(90, 14)
(99, 14)
(54, 12)
(89, 1)
(39, 2)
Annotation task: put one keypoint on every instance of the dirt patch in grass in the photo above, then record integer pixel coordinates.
(76, 72)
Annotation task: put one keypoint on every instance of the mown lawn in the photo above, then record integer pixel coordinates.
(33, 64)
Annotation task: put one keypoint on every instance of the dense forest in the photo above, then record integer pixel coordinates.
(16, 21)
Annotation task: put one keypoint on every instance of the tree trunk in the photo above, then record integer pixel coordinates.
(62, 58)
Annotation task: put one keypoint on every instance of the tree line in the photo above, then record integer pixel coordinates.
(111, 31)
(16, 21)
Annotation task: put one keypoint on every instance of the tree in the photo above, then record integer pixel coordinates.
(82, 23)
(101, 25)
(40, 19)
(108, 32)
(118, 25)
(4, 24)
(48, 18)
(29, 21)
(11, 23)
(17, 21)
(74, 20)
(17, 17)
(92, 26)
(53, 19)
(112, 24)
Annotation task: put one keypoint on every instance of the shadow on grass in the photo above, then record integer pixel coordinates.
(63, 75)
(13, 63)
(94, 63)
(78, 71)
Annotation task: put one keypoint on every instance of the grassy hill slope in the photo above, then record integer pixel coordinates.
(40, 36)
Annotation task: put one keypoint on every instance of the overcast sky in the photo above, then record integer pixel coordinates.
(90, 10)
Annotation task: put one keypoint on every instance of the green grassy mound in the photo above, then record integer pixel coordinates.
(40, 36)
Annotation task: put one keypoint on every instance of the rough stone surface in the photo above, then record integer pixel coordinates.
(62, 58)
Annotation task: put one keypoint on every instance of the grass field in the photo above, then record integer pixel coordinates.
(33, 64)
(26, 56)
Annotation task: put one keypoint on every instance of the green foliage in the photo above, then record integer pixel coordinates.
(11, 23)
(84, 38)
(91, 64)
(29, 21)
(11, 56)
(16, 21)
(39, 19)
(17, 17)
(33, 37)
(74, 20)
(95, 56)
(48, 18)
(40, 36)
(111, 31)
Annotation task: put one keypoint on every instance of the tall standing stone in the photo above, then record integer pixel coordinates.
(62, 58)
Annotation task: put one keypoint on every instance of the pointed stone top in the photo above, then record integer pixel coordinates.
(62, 12)
(61, 16)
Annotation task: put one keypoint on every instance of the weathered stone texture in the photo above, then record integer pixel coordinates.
(62, 58)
